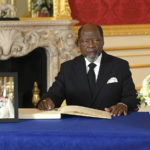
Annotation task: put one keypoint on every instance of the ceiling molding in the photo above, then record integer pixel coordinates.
(126, 48)
(123, 30)
(140, 66)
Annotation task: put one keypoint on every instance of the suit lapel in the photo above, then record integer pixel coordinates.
(80, 73)
(105, 69)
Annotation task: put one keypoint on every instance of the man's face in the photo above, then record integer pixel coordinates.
(91, 43)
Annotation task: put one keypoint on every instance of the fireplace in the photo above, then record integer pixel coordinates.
(30, 68)
(45, 43)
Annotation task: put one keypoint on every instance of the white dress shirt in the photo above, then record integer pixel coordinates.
(97, 62)
(97, 68)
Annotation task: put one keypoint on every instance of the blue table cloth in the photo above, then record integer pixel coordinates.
(78, 133)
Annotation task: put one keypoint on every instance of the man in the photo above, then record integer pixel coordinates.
(93, 79)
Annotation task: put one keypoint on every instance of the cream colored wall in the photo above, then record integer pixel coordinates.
(127, 41)
(134, 49)
(132, 43)
(22, 7)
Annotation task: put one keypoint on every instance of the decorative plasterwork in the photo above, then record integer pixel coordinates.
(18, 38)
(123, 30)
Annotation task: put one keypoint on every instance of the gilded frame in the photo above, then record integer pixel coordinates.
(8, 97)
(61, 11)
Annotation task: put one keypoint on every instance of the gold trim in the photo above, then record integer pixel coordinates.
(138, 88)
(140, 66)
(127, 48)
(29, 6)
(128, 30)
(12, 2)
(2, 1)
(37, 19)
(61, 10)
(133, 55)
(123, 30)
(139, 48)
(76, 28)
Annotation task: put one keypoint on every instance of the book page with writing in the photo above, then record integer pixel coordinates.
(84, 111)
(33, 113)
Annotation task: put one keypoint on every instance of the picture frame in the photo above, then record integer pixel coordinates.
(31, 9)
(60, 9)
(8, 97)
(41, 8)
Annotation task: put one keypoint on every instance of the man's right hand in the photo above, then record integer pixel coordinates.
(46, 104)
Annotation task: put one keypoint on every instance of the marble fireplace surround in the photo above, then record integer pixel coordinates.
(19, 38)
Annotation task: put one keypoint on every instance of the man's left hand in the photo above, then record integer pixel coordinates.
(117, 110)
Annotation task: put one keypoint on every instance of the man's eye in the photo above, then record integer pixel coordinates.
(96, 40)
(86, 41)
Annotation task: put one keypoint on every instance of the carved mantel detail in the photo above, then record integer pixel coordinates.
(19, 38)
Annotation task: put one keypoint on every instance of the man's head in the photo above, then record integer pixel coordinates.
(90, 41)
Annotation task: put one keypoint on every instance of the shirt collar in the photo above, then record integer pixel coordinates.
(97, 61)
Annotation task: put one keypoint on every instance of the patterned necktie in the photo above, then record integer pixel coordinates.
(91, 78)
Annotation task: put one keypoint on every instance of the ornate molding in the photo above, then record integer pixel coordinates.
(16, 43)
(140, 66)
(32, 23)
(67, 49)
(133, 55)
(18, 38)
(128, 30)
(123, 30)
(127, 48)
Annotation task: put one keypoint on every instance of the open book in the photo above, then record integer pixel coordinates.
(33, 113)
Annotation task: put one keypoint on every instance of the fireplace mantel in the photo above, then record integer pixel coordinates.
(19, 38)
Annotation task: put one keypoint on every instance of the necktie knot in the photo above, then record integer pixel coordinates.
(92, 65)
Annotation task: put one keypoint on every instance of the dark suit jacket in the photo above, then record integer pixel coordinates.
(72, 84)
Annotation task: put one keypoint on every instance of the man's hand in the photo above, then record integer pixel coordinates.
(46, 104)
(117, 110)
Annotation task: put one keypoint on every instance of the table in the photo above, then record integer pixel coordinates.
(78, 133)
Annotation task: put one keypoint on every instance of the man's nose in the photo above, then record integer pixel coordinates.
(90, 43)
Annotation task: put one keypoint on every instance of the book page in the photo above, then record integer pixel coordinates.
(85, 111)
(33, 113)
